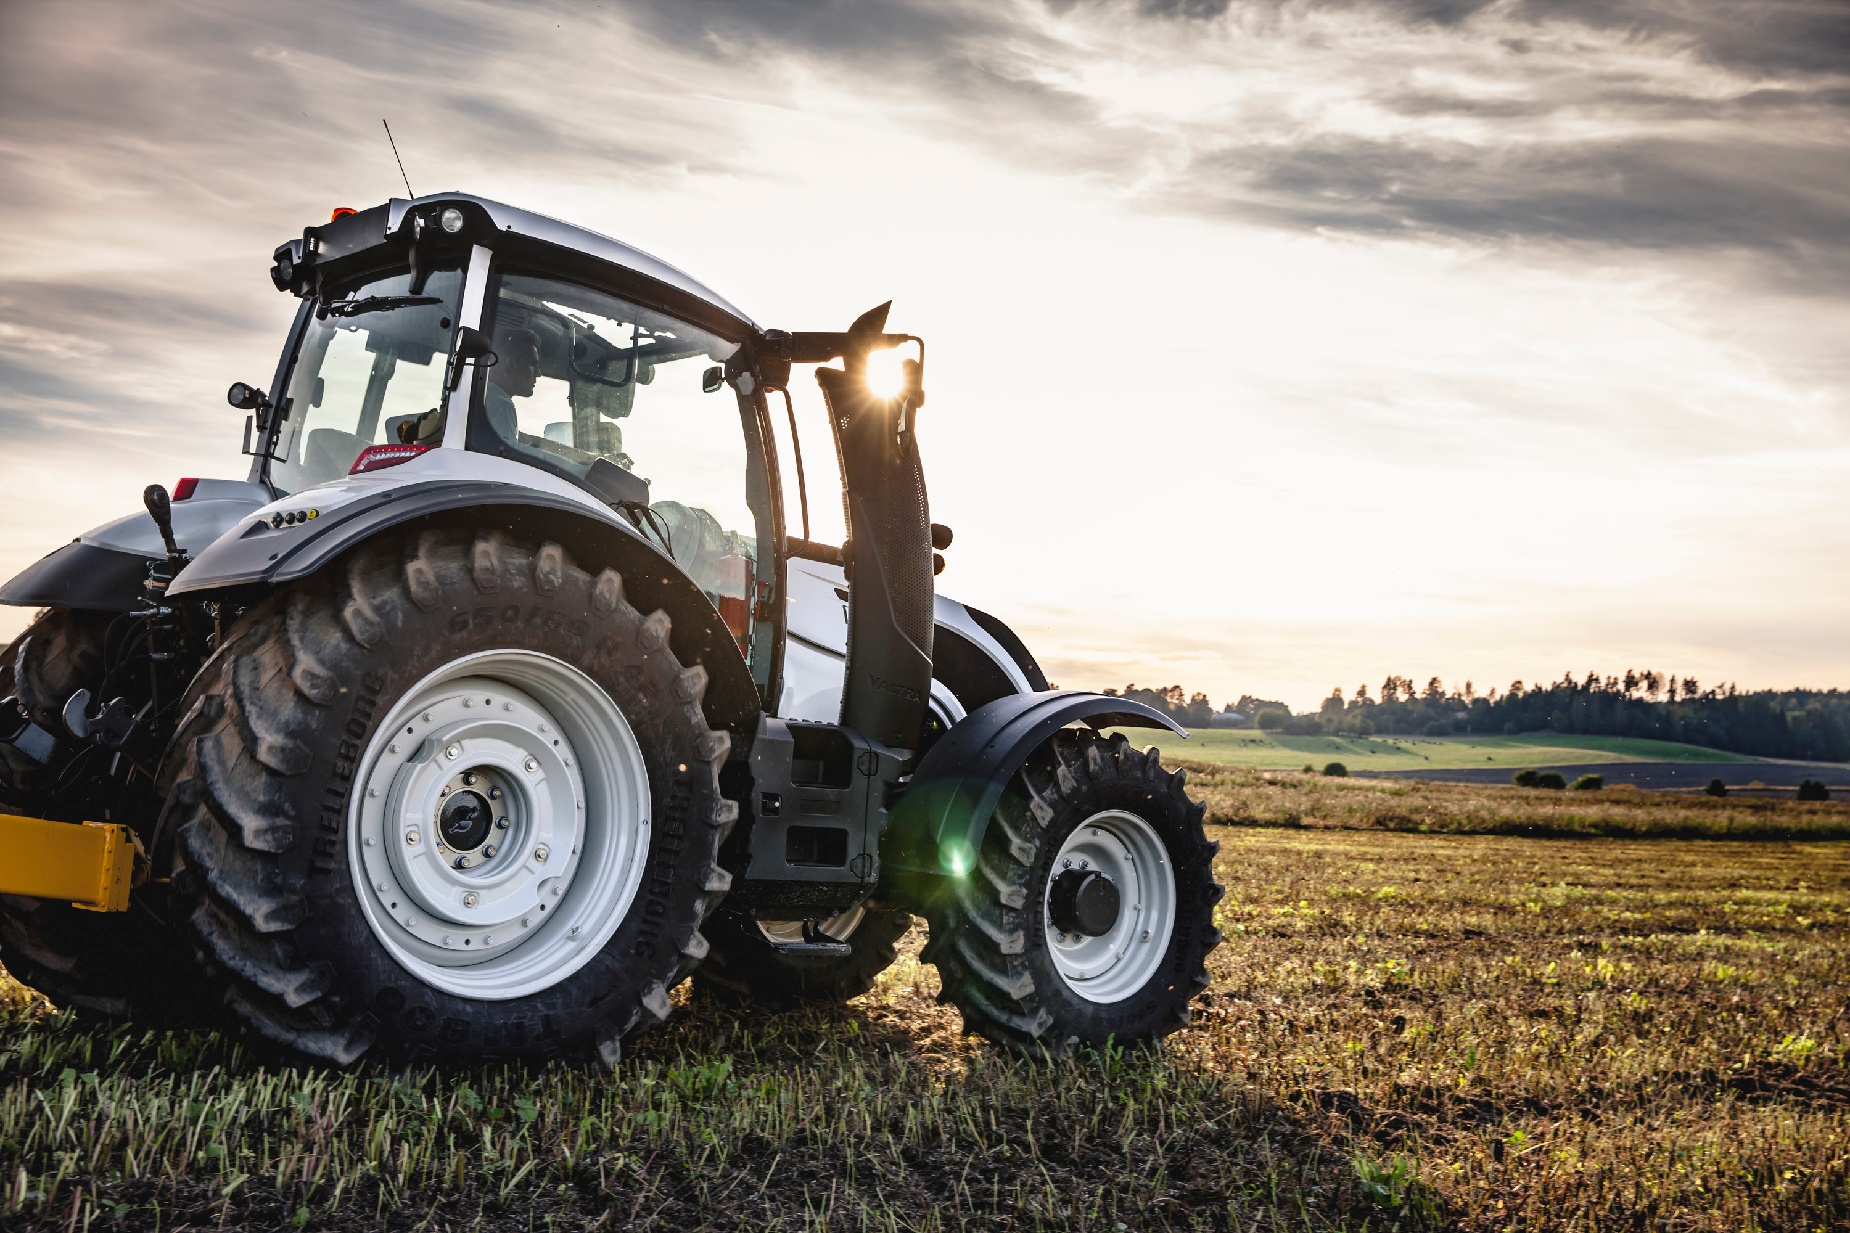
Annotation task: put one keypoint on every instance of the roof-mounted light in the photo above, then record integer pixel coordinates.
(451, 220)
(341, 212)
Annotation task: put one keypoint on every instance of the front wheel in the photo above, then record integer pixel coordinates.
(460, 801)
(1089, 912)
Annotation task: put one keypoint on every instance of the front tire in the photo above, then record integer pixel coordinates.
(1036, 961)
(460, 801)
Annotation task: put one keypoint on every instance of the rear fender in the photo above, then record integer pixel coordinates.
(938, 826)
(104, 568)
(255, 558)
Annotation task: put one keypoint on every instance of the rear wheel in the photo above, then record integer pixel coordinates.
(119, 963)
(58, 654)
(461, 801)
(1089, 911)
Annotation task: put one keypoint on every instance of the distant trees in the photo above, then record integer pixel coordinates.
(1189, 710)
(1807, 724)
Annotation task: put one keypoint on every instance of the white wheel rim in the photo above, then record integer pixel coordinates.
(837, 928)
(552, 758)
(1117, 963)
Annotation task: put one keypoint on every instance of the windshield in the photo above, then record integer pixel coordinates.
(370, 366)
(613, 394)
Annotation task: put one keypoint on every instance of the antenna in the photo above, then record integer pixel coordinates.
(401, 162)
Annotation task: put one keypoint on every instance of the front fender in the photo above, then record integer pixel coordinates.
(938, 826)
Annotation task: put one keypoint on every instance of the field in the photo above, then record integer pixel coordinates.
(1405, 1029)
(1272, 751)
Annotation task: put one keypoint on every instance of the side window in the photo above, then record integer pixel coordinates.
(813, 492)
(613, 395)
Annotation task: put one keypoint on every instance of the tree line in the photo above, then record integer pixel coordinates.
(1791, 723)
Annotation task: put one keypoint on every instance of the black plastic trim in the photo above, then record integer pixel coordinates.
(1018, 651)
(938, 826)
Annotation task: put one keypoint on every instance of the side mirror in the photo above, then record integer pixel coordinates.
(712, 379)
(472, 346)
(244, 397)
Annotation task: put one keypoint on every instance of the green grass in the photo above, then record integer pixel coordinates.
(1404, 1031)
(1269, 750)
(1245, 796)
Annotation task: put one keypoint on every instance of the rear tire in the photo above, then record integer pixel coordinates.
(122, 964)
(361, 708)
(1084, 803)
(58, 654)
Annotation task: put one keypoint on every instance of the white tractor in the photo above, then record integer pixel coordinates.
(499, 697)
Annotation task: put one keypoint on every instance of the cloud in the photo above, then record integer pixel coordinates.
(1658, 126)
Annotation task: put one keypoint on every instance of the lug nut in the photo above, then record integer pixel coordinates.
(489, 850)
(501, 823)
(413, 838)
(469, 900)
(462, 862)
(469, 778)
(494, 794)
(541, 853)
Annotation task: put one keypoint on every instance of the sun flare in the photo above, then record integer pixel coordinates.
(885, 374)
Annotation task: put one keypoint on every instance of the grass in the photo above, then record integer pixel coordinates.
(1246, 797)
(1469, 1031)
(1272, 751)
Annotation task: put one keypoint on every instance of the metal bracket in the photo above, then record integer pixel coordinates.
(90, 865)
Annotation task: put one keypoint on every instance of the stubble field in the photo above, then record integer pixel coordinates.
(1575, 1028)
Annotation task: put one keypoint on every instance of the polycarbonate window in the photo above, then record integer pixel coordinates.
(616, 395)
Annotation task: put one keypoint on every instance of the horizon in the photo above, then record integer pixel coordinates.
(1271, 344)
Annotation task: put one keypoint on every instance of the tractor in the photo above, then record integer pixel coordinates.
(500, 696)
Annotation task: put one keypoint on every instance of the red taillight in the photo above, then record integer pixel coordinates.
(379, 457)
(341, 212)
(184, 489)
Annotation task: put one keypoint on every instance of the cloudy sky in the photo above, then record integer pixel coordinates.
(1274, 346)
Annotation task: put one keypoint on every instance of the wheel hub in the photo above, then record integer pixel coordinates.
(502, 824)
(464, 820)
(1084, 901)
(1110, 906)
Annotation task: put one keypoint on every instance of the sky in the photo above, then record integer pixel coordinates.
(1274, 346)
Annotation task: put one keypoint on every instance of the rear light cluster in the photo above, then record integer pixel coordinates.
(184, 489)
(379, 457)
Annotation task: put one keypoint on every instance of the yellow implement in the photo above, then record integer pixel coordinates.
(91, 865)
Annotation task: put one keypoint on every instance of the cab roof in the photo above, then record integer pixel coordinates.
(513, 229)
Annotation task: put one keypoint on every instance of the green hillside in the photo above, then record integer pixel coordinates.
(1271, 751)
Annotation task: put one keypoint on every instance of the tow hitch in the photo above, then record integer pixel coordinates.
(91, 865)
